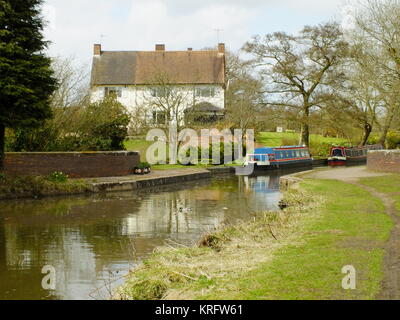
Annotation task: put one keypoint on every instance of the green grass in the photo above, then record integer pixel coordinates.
(349, 231)
(275, 139)
(38, 186)
(385, 184)
(319, 145)
(389, 184)
(328, 226)
(143, 145)
(139, 145)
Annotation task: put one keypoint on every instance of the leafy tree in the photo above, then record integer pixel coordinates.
(26, 78)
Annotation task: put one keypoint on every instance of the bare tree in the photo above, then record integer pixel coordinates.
(244, 95)
(378, 25)
(363, 101)
(168, 100)
(73, 83)
(300, 71)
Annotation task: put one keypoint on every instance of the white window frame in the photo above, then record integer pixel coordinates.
(117, 90)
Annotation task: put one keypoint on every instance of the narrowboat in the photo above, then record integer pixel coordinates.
(279, 158)
(340, 156)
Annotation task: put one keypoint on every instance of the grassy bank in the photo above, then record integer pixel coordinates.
(319, 144)
(31, 187)
(294, 254)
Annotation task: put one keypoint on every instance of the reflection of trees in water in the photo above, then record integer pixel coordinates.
(17, 273)
(85, 237)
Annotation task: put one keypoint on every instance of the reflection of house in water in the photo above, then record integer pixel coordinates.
(86, 238)
(263, 184)
(174, 214)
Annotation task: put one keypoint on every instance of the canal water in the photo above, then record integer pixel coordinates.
(92, 241)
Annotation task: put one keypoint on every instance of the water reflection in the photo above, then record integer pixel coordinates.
(92, 240)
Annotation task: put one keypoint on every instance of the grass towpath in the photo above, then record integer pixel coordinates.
(388, 189)
(295, 254)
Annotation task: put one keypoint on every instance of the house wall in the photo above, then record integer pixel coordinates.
(138, 96)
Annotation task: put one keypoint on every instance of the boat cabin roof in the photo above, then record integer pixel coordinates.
(269, 150)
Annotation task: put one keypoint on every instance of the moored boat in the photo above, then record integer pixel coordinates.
(267, 158)
(340, 156)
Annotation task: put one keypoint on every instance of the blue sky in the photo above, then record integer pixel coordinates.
(75, 25)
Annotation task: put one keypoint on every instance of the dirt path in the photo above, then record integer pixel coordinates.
(390, 289)
(348, 174)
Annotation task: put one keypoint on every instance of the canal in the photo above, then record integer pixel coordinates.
(92, 241)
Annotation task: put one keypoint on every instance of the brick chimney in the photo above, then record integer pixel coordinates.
(160, 47)
(97, 49)
(221, 47)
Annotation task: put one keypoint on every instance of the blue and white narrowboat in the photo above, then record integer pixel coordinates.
(279, 158)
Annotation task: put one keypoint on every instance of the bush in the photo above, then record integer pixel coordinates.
(100, 126)
(393, 140)
(290, 141)
(321, 149)
(58, 177)
(373, 139)
(218, 148)
(143, 165)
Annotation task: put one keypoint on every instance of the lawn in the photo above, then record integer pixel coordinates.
(319, 144)
(275, 139)
(295, 254)
(140, 145)
(349, 230)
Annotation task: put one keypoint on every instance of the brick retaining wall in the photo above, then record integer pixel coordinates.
(75, 164)
(384, 161)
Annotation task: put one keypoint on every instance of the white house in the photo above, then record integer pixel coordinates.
(138, 79)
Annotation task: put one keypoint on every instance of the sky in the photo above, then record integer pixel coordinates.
(73, 26)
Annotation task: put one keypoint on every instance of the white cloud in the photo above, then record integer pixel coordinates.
(313, 6)
(75, 25)
(50, 15)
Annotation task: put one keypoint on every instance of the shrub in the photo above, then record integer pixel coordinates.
(58, 177)
(100, 126)
(290, 141)
(143, 165)
(373, 139)
(393, 140)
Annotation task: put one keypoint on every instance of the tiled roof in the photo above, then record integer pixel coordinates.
(145, 67)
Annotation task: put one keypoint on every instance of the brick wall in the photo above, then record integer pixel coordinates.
(75, 164)
(384, 161)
